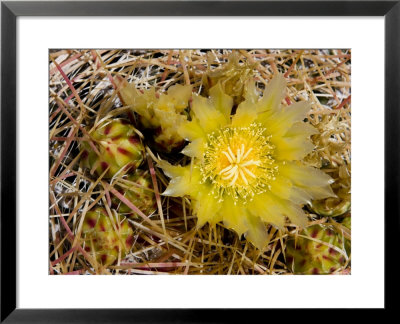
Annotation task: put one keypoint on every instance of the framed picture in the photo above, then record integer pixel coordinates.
(194, 153)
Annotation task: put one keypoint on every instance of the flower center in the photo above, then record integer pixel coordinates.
(238, 162)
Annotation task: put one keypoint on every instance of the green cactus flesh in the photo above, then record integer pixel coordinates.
(347, 222)
(119, 148)
(104, 241)
(140, 194)
(311, 254)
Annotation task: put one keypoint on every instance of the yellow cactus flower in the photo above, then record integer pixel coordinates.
(247, 168)
(162, 112)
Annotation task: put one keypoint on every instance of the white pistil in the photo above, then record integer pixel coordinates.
(251, 162)
(238, 156)
(228, 156)
(231, 153)
(234, 179)
(226, 169)
(239, 166)
(243, 177)
(230, 173)
(247, 153)
(249, 173)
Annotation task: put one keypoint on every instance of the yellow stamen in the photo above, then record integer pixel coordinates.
(245, 173)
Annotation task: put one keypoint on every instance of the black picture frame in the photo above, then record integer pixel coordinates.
(10, 11)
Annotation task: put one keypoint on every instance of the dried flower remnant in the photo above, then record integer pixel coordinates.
(118, 145)
(232, 76)
(331, 141)
(339, 205)
(247, 168)
(163, 112)
(333, 153)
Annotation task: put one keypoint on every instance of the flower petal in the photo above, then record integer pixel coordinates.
(245, 114)
(250, 92)
(264, 206)
(234, 215)
(206, 208)
(172, 170)
(184, 180)
(295, 214)
(283, 119)
(178, 187)
(139, 102)
(320, 192)
(273, 209)
(301, 129)
(304, 176)
(299, 196)
(209, 118)
(190, 130)
(273, 94)
(221, 101)
(195, 148)
(281, 187)
(291, 148)
(257, 233)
